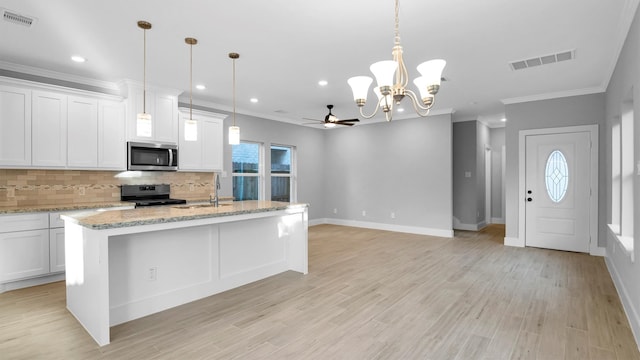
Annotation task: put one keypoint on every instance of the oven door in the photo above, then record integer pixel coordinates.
(146, 156)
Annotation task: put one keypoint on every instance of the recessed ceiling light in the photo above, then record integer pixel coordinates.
(78, 59)
(200, 87)
(253, 100)
(400, 109)
(503, 120)
(323, 82)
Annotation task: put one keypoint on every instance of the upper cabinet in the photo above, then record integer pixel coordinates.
(51, 127)
(201, 141)
(161, 104)
(15, 126)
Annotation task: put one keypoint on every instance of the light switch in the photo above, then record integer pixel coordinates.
(467, 174)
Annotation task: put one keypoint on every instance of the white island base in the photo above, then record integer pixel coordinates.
(119, 274)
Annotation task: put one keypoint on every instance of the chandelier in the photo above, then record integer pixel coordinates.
(391, 93)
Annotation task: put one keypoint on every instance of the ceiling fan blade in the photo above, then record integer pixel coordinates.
(343, 123)
(321, 121)
(348, 120)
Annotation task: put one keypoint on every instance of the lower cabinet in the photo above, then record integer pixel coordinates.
(56, 250)
(24, 254)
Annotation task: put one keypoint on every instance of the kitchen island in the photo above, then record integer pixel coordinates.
(126, 264)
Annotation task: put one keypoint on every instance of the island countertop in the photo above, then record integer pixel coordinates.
(100, 220)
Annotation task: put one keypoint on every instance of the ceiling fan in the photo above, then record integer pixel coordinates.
(331, 120)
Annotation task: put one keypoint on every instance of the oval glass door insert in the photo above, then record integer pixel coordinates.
(556, 176)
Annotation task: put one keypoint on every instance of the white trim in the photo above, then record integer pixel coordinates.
(495, 220)
(627, 302)
(598, 251)
(29, 70)
(554, 95)
(58, 88)
(512, 241)
(593, 203)
(387, 227)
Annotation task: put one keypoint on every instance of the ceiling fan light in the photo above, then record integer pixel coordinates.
(360, 87)
(431, 71)
(384, 71)
(329, 125)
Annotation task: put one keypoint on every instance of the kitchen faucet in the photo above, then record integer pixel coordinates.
(215, 200)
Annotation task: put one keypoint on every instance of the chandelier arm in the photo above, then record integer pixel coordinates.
(374, 112)
(417, 106)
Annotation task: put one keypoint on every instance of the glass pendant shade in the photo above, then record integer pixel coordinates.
(384, 71)
(234, 135)
(360, 86)
(421, 84)
(431, 71)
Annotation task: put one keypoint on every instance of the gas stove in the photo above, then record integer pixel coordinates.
(149, 195)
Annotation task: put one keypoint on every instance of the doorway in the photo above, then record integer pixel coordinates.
(558, 188)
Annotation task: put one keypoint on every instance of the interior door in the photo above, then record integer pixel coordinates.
(558, 191)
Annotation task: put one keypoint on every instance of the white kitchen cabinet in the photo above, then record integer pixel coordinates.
(111, 135)
(201, 141)
(161, 104)
(49, 129)
(82, 132)
(56, 250)
(24, 246)
(15, 126)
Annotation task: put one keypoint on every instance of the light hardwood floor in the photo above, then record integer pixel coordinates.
(369, 295)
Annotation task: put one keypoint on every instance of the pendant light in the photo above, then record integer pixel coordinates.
(190, 126)
(144, 118)
(234, 131)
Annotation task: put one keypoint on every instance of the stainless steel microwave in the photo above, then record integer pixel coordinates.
(152, 156)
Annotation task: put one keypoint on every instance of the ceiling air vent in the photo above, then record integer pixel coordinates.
(14, 17)
(543, 60)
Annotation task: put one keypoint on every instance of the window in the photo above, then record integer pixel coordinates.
(282, 173)
(622, 172)
(248, 181)
(556, 176)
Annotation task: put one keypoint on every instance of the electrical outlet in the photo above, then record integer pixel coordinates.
(335, 210)
(152, 274)
(364, 213)
(393, 215)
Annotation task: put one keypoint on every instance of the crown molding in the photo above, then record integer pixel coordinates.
(29, 70)
(624, 25)
(554, 95)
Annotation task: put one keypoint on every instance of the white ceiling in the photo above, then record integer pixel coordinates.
(287, 46)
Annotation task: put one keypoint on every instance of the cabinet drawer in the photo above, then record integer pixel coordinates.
(22, 222)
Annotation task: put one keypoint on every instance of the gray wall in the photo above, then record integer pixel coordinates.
(497, 139)
(403, 167)
(465, 197)
(561, 112)
(625, 271)
(470, 139)
(482, 143)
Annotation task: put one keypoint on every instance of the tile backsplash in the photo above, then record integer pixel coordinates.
(49, 187)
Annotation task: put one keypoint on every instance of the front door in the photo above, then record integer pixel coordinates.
(557, 197)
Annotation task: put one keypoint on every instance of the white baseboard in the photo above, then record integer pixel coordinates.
(470, 227)
(497, 221)
(387, 227)
(598, 251)
(627, 302)
(511, 241)
(14, 285)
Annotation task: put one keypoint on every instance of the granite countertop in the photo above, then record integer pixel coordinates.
(85, 206)
(61, 207)
(166, 214)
